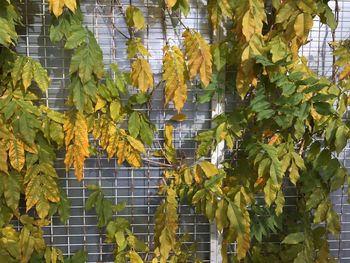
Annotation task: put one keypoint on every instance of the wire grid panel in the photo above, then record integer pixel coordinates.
(137, 187)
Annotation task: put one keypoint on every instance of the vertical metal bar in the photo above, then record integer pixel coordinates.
(217, 156)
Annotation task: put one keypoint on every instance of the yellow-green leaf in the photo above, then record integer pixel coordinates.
(134, 257)
(134, 17)
(136, 144)
(16, 154)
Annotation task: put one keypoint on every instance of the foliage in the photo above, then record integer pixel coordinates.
(286, 130)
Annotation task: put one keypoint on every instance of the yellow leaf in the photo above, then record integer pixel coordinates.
(254, 18)
(302, 26)
(171, 3)
(167, 225)
(121, 152)
(133, 157)
(56, 6)
(198, 56)
(314, 114)
(243, 240)
(345, 73)
(197, 174)
(141, 74)
(168, 135)
(209, 169)
(113, 135)
(174, 75)
(16, 154)
(77, 143)
(3, 157)
(71, 5)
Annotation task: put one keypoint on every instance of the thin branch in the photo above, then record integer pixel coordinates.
(334, 68)
(160, 164)
(163, 21)
(186, 27)
(131, 32)
(114, 27)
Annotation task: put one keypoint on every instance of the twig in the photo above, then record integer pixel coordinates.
(186, 27)
(111, 22)
(160, 164)
(162, 4)
(131, 33)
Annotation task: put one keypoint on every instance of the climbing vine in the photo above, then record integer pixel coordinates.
(286, 130)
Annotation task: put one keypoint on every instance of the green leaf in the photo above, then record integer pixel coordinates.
(146, 131)
(88, 61)
(184, 6)
(78, 35)
(327, 16)
(235, 217)
(294, 238)
(220, 55)
(40, 76)
(80, 256)
(134, 124)
(333, 222)
(90, 202)
(17, 69)
(214, 180)
(323, 108)
(341, 137)
(78, 94)
(64, 208)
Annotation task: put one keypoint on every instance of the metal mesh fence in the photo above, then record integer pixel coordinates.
(138, 187)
